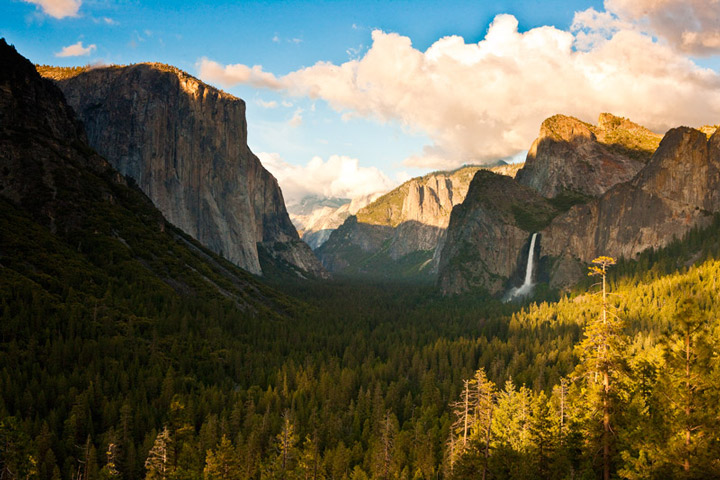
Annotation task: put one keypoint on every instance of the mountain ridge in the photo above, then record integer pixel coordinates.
(401, 228)
(67, 213)
(674, 191)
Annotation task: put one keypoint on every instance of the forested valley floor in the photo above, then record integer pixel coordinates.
(111, 376)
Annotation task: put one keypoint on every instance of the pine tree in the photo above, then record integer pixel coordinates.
(512, 417)
(222, 463)
(482, 399)
(159, 462)
(543, 433)
(309, 465)
(17, 458)
(286, 441)
(463, 421)
(690, 394)
(110, 471)
(601, 355)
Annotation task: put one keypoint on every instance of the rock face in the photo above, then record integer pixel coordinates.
(571, 157)
(73, 228)
(677, 190)
(488, 232)
(185, 144)
(398, 234)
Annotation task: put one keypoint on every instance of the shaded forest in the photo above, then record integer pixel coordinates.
(356, 381)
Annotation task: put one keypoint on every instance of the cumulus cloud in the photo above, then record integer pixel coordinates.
(76, 50)
(693, 26)
(235, 74)
(483, 101)
(58, 8)
(339, 176)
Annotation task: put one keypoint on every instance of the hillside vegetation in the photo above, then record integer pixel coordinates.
(356, 382)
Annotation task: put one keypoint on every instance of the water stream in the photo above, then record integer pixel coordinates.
(526, 288)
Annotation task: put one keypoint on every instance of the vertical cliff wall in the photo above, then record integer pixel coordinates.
(398, 233)
(185, 144)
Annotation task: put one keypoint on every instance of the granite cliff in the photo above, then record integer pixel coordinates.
(675, 189)
(487, 240)
(678, 189)
(73, 230)
(398, 234)
(185, 145)
(571, 157)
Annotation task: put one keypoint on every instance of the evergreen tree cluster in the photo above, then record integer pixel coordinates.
(107, 373)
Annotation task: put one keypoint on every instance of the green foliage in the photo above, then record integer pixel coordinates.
(532, 217)
(117, 331)
(60, 73)
(567, 199)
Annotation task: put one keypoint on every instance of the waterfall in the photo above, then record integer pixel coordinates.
(529, 269)
(526, 288)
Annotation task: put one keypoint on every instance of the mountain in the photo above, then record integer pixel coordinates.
(317, 217)
(185, 145)
(571, 157)
(488, 236)
(397, 235)
(74, 233)
(675, 190)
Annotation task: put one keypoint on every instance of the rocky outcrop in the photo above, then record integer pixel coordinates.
(486, 246)
(400, 230)
(487, 233)
(677, 190)
(185, 144)
(571, 157)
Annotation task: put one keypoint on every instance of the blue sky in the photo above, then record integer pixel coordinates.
(476, 96)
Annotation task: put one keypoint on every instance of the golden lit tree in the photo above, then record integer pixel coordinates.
(601, 354)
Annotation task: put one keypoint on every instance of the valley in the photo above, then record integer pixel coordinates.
(162, 318)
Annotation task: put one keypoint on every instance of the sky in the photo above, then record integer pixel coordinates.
(347, 98)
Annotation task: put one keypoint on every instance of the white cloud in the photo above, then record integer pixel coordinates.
(339, 176)
(297, 118)
(264, 104)
(235, 74)
(58, 8)
(484, 101)
(692, 26)
(76, 50)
